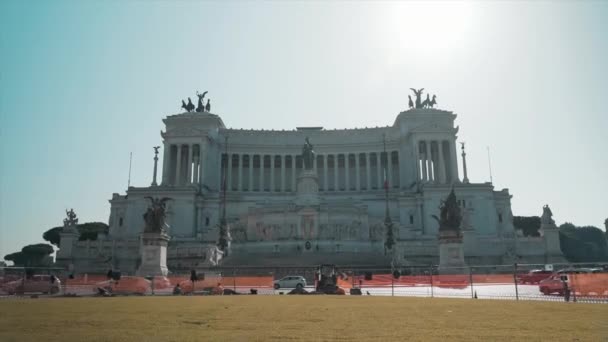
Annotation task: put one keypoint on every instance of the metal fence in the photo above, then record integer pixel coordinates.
(558, 282)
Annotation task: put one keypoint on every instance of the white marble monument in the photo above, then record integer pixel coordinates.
(287, 207)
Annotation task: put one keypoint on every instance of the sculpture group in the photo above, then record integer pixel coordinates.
(200, 108)
(308, 155)
(428, 103)
(71, 219)
(155, 216)
(547, 216)
(450, 215)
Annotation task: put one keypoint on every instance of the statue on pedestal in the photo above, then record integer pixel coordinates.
(201, 97)
(418, 94)
(546, 219)
(71, 219)
(188, 107)
(450, 215)
(308, 155)
(155, 216)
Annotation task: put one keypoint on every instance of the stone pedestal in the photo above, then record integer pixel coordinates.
(153, 252)
(451, 251)
(307, 188)
(68, 237)
(550, 235)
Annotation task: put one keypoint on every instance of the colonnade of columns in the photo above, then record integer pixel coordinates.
(436, 162)
(336, 172)
(183, 164)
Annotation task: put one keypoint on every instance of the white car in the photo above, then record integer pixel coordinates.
(290, 282)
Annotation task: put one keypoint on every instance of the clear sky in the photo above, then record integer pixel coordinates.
(84, 83)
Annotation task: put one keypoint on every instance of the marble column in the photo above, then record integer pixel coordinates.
(250, 179)
(346, 172)
(239, 172)
(250, 184)
(418, 159)
(194, 166)
(442, 174)
(453, 161)
(325, 179)
(293, 173)
(429, 158)
(282, 172)
(229, 171)
(166, 160)
(379, 173)
(272, 182)
(202, 161)
(357, 173)
(368, 170)
(189, 168)
(178, 167)
(261, 172)
(389, 169)
(336, 185)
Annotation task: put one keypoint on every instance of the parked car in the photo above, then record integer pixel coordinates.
(574, 270)
(127, 285)
(555, 283)
(290, 282)
(534, 276)
(45, 284)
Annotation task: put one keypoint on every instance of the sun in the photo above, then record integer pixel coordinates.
(427, 27)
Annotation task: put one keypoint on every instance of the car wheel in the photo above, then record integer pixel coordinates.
(277, 286)
(299, 286)
(545, 291)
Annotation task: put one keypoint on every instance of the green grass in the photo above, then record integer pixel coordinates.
(298, 318)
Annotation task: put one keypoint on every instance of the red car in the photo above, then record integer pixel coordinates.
(45, 284)
(533, 277)
(127, 285)
(555, 283)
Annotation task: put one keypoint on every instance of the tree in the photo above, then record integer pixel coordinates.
(529, 225)
(583, 244)
(52, 236)
(89, 230)
(31, 255)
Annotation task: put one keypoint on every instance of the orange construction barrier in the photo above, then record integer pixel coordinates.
(589, 284)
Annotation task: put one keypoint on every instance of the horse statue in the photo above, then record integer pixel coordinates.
(188, 107)
(433, 101)
(200, 108)
(425, 103)
(418, 96)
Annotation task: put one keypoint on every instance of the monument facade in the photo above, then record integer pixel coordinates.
(311, 195)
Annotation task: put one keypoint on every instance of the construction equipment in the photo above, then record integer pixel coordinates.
(326, 279)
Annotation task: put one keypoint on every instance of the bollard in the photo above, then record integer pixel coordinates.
(431, 281)
(515, 281)
(471, 281)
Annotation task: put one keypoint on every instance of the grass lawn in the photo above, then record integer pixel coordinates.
(298, 318)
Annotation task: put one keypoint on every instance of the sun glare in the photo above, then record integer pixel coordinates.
(428, 27)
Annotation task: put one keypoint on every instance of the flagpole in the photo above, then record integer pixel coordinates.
(388, 224)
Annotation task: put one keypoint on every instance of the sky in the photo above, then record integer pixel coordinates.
(85, 83)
